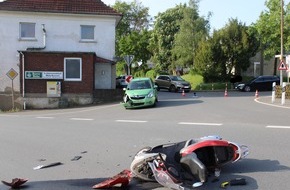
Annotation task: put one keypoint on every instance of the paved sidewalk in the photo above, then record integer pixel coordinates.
(277, 103)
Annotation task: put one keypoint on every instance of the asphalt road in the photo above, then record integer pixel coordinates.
(107, 137)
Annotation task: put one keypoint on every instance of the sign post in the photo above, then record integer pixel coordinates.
(129, 60)
(12, 74)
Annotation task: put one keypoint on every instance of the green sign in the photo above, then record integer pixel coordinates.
(43, 75)
(33, 75)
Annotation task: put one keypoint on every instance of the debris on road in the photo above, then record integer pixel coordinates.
(47, 166)
(122, 178)
(16, 182)
(76, 158)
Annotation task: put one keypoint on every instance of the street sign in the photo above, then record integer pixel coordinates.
(282, 66)
(128, 78)
(128, 59)
(43, 75)
(12, 74)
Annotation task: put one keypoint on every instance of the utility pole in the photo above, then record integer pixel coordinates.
(282, 31)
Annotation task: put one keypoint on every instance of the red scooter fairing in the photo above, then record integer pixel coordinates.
(123, 179)
(190, 160)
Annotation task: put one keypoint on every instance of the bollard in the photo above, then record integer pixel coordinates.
(273, 92)
(283, 93)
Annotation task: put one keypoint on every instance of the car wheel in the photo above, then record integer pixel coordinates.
(158, 89)
(172, 88)
(247, 88)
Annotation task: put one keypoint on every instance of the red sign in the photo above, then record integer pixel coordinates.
(128, 78)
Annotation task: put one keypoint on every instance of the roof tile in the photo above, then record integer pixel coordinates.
(59, 6)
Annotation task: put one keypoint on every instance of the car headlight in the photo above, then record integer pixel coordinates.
(150, 95)
(241, 86)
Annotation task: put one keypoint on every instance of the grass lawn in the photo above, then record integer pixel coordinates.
(197, 83)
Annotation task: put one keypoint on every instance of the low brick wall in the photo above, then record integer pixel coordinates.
(6, 102)
(41, 101)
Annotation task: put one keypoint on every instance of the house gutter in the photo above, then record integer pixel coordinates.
(23, 78)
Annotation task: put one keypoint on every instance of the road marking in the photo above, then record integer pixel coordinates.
(81, 119)
(190, 123)
(131, 121)
(271, 104)
(45, 117)
(278, 127)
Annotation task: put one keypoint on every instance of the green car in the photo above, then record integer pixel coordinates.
(140, 92)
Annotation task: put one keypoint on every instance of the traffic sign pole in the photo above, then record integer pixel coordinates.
(129, 60)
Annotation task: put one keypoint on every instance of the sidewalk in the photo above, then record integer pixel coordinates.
(267, 100)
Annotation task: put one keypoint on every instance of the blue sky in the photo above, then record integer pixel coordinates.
(246, 11)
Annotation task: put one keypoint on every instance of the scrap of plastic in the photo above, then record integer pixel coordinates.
(16, 182)
(47, 166)
(122, 178)
(76, 158)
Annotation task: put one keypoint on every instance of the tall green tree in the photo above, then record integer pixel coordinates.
(193, 29)
(238, 46)
(229, 51)
(269, 30)
(132, 33)
(166, 26)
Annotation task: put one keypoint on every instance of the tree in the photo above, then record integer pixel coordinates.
(166, 26)
(269, 29)
(193, 29)
(228, 51)
(132, 35)
(136, 44)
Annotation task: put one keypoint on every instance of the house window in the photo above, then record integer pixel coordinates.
(27, 30)
(73, 69)
(87, 33)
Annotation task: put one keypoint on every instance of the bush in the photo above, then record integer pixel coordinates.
(151, 74)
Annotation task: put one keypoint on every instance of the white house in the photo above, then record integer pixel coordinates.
(63, 27)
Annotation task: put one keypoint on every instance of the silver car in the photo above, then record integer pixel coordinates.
(172, 83)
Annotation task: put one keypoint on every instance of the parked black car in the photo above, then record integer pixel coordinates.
(261, 83)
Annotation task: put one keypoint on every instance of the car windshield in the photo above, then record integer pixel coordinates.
(141, 84)
(176, 78)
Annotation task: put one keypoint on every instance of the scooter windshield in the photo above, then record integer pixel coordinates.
(163, 178)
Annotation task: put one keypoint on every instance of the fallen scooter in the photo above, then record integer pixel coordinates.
(180, 165)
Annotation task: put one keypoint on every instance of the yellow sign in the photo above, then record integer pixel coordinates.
(12, 74)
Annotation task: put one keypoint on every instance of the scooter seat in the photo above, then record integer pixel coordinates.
(192, 164)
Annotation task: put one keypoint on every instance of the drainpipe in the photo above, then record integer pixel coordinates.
(23, 78)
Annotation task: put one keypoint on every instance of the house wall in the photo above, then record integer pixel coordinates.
(37, 61)
(62, 34)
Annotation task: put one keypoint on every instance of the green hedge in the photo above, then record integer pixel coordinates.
(278, 90)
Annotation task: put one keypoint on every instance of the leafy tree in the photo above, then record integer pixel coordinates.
(166, 26)
(136, 44)
(238, 46)
(132, 33)
(193, 29)
(269, 29)
(227, 52)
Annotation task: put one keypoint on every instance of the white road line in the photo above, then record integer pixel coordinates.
(131, 121)
(269, 104)
(190, 123)
(278, 127)
(45, 117)
(81, 119)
